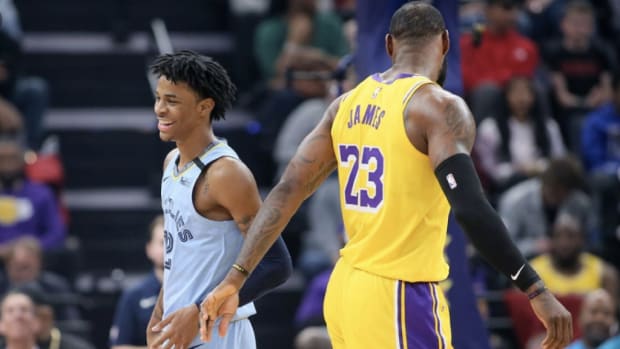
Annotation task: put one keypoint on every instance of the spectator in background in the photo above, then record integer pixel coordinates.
(26, 208)
(519, 141)
(18, 322)
(302, 39)
(24, 268)
(135, 307)
(580, 66)
(567, 268)
(600, 150)
(491, 56)
(42, 328)
(596, 319)
(529, 208)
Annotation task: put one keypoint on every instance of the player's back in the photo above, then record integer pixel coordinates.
(395, 213)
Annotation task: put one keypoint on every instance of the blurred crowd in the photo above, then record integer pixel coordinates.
(542, 80)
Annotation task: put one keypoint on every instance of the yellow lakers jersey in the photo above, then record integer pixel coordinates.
(588, 279)
(395, 213)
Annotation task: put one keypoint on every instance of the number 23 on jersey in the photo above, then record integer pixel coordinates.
(363, 190)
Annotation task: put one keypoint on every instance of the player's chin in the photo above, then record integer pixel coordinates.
(165, 136)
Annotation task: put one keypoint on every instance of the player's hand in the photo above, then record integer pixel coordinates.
(222, 303)
(177, 330)
(556, 319)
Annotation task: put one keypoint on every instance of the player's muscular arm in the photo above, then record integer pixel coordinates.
(445, 131)
(230, 184)
(233, 187)
(312, 163)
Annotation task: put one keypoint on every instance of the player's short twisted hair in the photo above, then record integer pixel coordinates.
(203, 75)
(416, 21)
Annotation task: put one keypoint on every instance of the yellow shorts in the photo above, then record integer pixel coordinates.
(363, 310)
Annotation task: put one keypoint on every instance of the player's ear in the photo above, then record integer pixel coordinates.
(389, 44)
(206, 106)
(445, 41)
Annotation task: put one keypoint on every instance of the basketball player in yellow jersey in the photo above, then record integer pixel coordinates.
(401, 146)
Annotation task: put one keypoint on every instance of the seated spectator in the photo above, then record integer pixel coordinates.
(567, 268)
(136, 305)
(17, 306)
(18, 321)
(26, 208)
(600, 151)
(302, 39)
(529, 208)
(519, 141)
(580, 66)
(491, 56)
(596, 320)
(24, 268)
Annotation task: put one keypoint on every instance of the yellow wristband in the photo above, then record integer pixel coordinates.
(241, 269)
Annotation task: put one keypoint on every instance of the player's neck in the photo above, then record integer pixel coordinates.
(194, 145)
(408, 68)
(411, 61)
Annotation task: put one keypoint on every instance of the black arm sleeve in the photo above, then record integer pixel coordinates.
(461, 185)
(275, 268)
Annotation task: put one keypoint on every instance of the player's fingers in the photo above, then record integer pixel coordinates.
(551, 334)
(556, 339)
(226, 318)
(567, 330)
(203, 330)
(160, 325)
(161, 339)
(210, 327)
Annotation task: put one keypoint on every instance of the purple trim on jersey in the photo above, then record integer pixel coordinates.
(419, 316)
(377, 77)
(399, 311)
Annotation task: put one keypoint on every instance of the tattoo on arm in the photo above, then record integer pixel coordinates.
(459, 125)
(313, 162)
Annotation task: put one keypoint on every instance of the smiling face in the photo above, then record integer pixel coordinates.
(179, 110)
(18, 320)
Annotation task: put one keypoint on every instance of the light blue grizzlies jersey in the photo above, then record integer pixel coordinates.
(199, 252)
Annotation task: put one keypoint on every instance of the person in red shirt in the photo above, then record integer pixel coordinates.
(493, 54)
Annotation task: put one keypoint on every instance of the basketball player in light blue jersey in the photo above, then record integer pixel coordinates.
(209, 197)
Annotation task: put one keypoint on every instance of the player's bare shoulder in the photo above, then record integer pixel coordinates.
(434, 113)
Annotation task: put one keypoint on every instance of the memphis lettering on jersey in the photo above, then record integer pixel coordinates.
(183, 234)
(372, 116)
